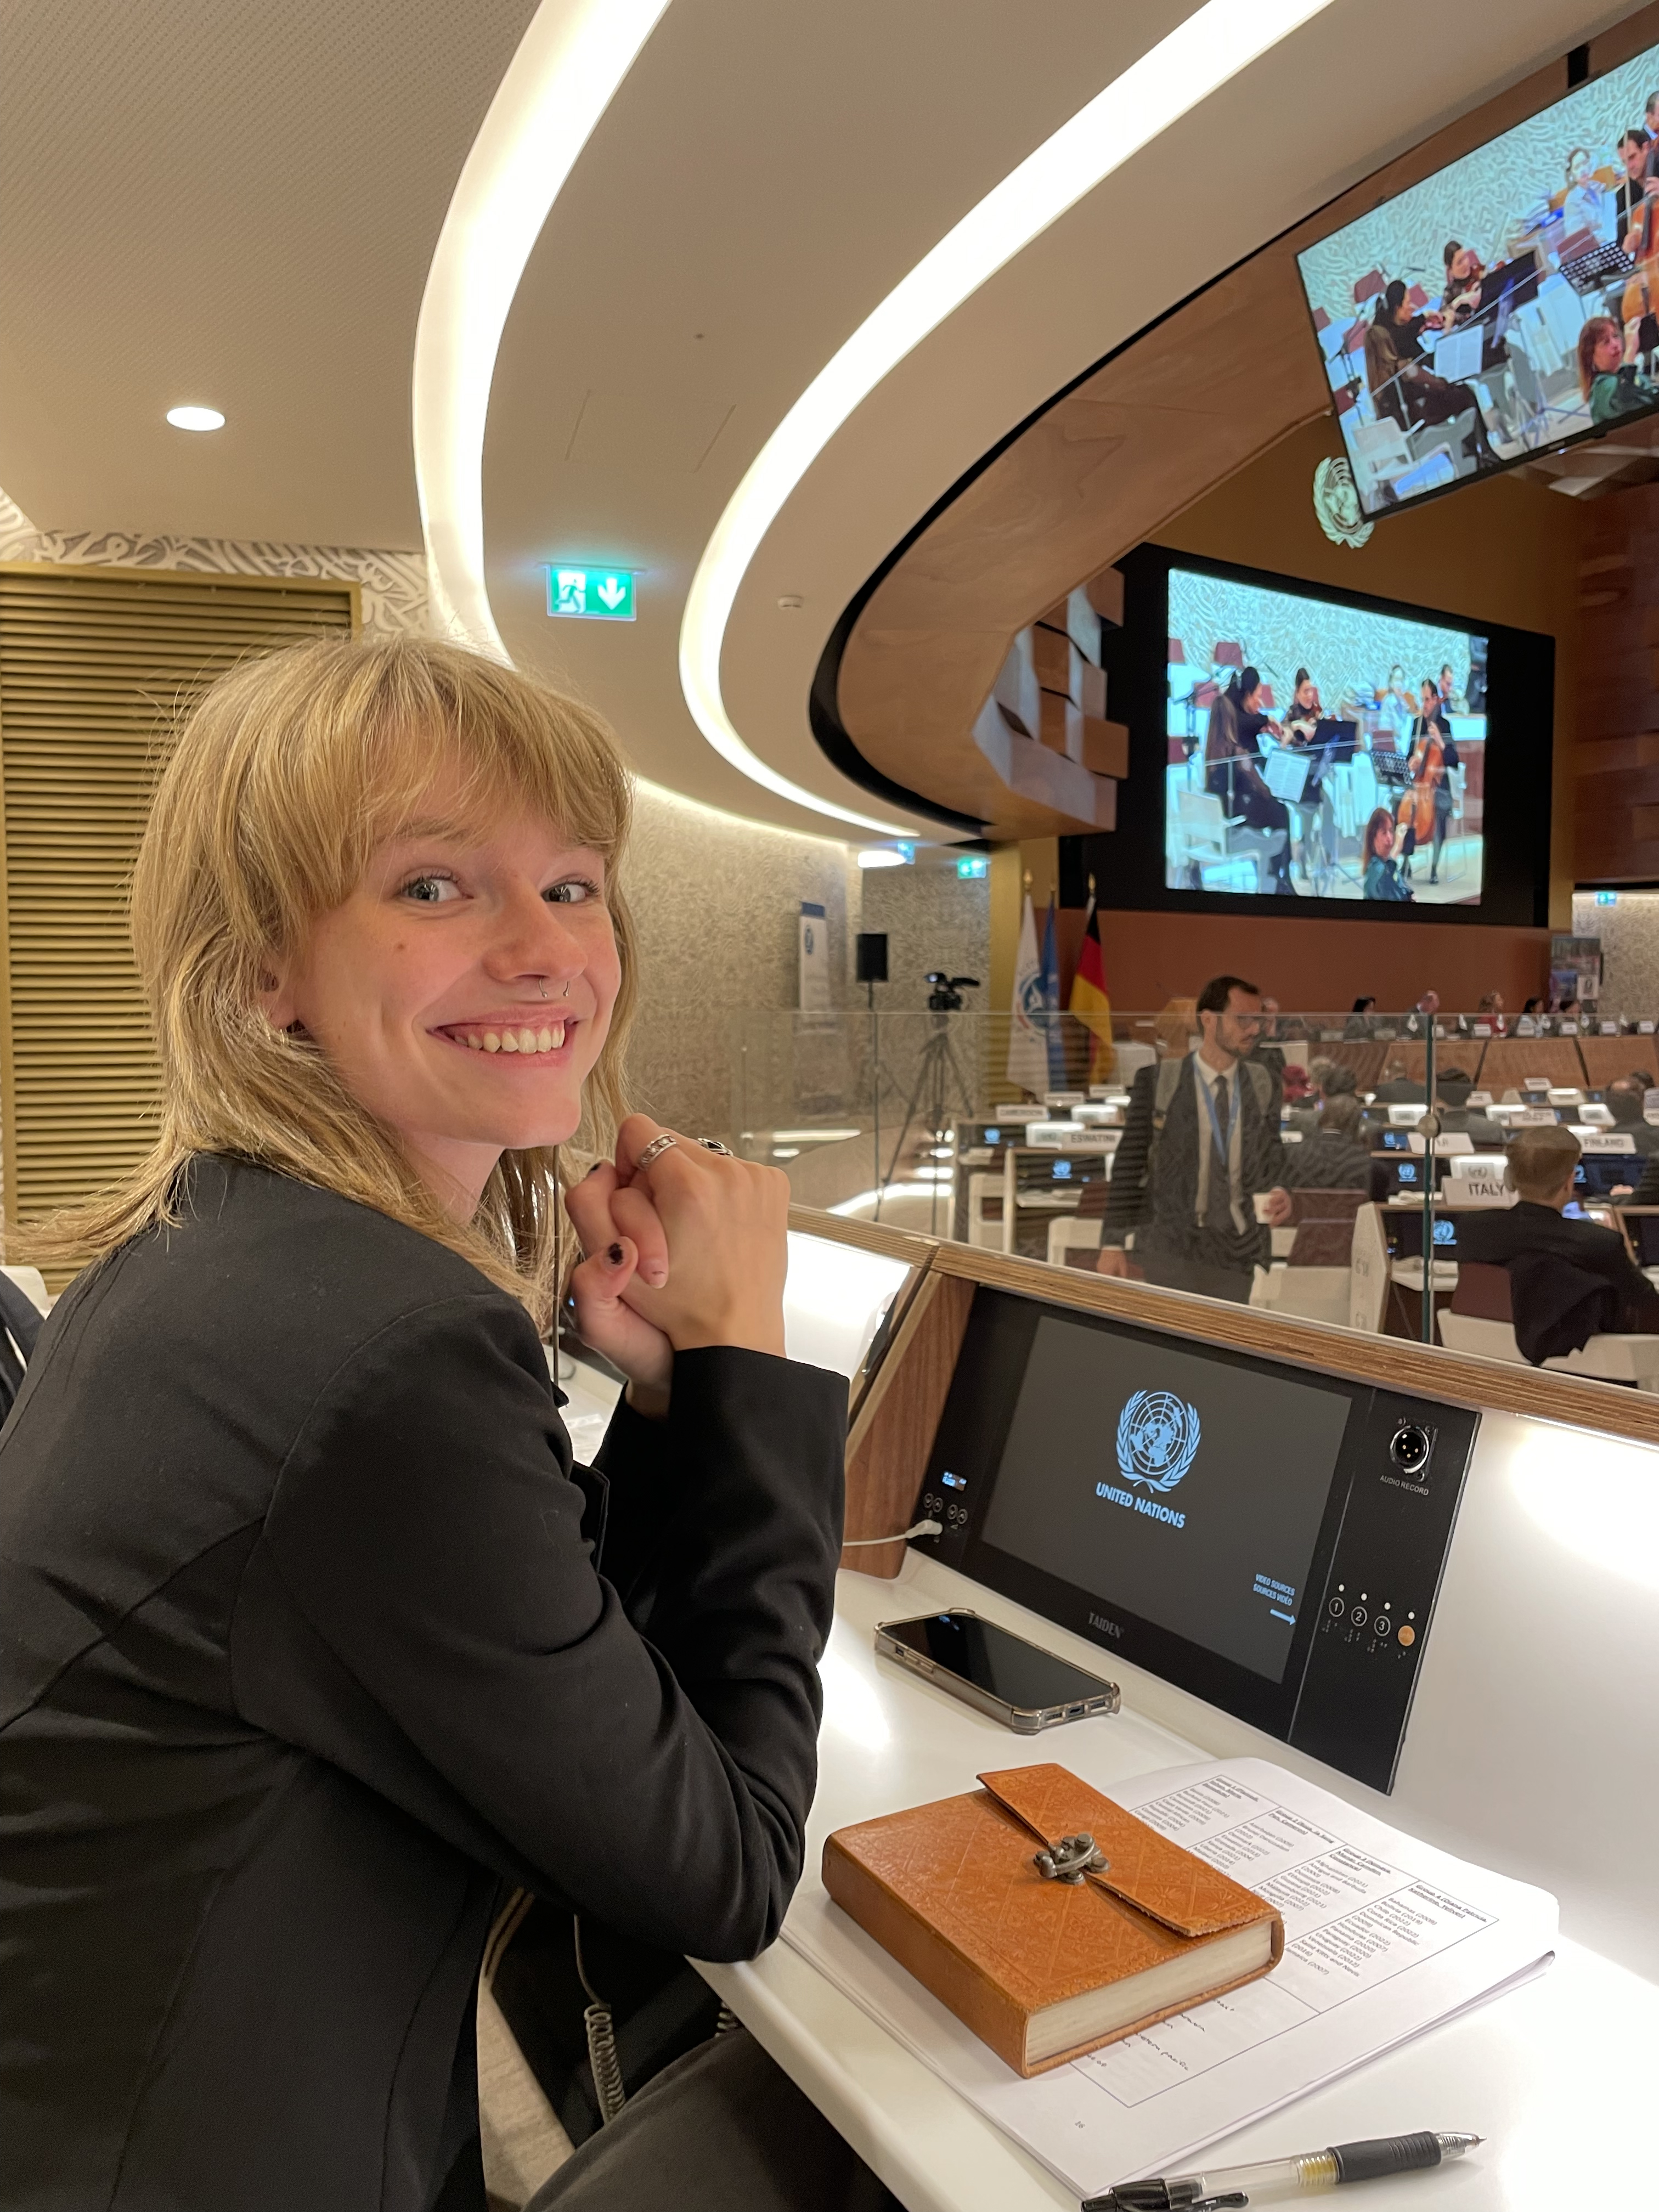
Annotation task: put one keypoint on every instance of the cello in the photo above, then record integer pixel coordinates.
(1641, 289)
(1426, 766)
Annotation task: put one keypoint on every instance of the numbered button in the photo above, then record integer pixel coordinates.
(1358, 1616)
(1336, 1608)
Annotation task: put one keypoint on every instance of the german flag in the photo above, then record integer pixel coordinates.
(1091, 1001)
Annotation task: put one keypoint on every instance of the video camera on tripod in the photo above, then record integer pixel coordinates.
(945, 997)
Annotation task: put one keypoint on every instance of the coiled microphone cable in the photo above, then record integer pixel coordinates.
(601, 2029)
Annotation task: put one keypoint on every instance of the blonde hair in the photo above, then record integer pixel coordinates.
(1539, 1161)
(280, 785)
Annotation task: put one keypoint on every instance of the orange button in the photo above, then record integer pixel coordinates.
(1408, 1634)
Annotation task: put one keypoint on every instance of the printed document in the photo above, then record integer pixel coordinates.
(1384, 1937)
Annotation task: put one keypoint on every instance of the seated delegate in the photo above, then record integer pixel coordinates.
(317, 1644)
(1625, 1098)
(1331, 1157)
(1568, 1280)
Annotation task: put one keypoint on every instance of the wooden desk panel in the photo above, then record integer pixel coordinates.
(1604, 1058)
(1459, 1378)
(1206, 389)
(1509, 1061)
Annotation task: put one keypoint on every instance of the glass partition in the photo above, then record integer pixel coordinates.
(1377, 1142)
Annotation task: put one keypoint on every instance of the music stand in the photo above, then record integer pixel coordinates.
(1512, 284)
(1332, 745)
(1285, 772)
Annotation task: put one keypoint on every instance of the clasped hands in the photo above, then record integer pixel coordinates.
(686, 1252)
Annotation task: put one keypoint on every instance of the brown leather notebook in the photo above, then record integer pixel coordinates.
(1041, 1968)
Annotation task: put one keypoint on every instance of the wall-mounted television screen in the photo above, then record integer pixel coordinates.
(1506, 305)
(1321, 749)
(1298, 749)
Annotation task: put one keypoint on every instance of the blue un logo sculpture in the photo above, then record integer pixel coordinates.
(1157, 1438)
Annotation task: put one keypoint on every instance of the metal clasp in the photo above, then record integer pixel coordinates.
(1070, 1859)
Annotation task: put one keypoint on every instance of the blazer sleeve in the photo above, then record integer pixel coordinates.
(1269, 1164)
(425, 1526)
(1126, 1190)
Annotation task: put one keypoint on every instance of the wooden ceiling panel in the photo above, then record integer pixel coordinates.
(1198, 396)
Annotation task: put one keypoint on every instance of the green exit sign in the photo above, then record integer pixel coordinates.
(593, 594)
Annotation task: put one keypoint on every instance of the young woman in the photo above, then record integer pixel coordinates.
(1380, 880)
(1608, 374)
(315, 1639)
(1232, 769)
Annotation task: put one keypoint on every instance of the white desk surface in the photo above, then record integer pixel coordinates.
(1558, 2074)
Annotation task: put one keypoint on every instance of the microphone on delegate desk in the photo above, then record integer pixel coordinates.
(1313, 2170)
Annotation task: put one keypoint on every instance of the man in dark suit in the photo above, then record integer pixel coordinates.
(1331, 1157)
(1568, 1280)
(1397, 1089)
(1626, 1101)
(1201, 1142)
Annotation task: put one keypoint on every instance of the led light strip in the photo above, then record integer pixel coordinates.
(1184, 69)
(558, 84)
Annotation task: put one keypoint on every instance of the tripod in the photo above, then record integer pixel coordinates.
(939, 1080)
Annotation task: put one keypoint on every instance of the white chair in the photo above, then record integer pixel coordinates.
(1368, 1272)
(1485, 1340)
(1068, 1234)
(1310, 1293)
(32, 1284)
(984, 1229)
(1625, 1359)
(1228, 855)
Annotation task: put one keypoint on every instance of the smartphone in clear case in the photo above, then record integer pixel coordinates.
(1019, 1683)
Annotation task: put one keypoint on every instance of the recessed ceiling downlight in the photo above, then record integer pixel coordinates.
(196, 418)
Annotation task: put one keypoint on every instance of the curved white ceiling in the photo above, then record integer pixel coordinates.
(558, 84)
(761, 183)
(1188, 65)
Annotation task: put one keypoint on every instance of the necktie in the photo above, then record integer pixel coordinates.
(1220, 1209)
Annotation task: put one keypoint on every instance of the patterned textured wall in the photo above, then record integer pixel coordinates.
(1484, 200)
(1347, 650)
(716, 1047)
(934, 918)
(392, 584)
(717, 901)
(1629, 931)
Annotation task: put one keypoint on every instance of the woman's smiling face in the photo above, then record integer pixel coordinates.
(464, 990)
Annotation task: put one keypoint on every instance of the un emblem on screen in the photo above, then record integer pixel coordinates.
(1156, 1438)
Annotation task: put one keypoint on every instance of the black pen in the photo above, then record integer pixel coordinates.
(1284, 2177)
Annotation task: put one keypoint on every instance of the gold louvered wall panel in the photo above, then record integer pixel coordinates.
(95, 666)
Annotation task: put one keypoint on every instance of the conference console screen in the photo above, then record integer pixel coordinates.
(1501, 308)
(1319, 749)
(1200, 1503)
(1269, 1540)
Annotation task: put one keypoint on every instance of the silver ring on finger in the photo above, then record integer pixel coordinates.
(714, 1145)
(655, 1149)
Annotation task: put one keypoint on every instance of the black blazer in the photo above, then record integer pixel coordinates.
(1154, 1185)
(304, 1654)
(1568, 1280)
